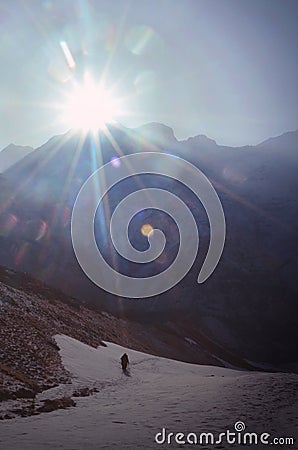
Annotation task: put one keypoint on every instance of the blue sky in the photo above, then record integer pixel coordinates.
(224, 68)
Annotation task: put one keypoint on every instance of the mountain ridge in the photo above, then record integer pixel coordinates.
(168, 131)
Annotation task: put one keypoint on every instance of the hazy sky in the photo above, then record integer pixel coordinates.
(224, 68)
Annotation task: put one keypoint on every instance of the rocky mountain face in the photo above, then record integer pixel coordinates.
(11, 154)
(248, 306)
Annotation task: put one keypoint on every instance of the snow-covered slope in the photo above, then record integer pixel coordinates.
(128, 411)
(31, 313)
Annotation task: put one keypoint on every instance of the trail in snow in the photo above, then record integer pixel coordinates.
(127, 412)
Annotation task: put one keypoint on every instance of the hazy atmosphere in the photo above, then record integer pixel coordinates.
(148, 224)
(227, 69)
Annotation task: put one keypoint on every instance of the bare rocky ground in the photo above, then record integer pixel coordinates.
(29, 358)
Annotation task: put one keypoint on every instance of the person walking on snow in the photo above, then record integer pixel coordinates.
(124, 362)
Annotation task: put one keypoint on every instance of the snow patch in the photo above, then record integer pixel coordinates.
(128, 411)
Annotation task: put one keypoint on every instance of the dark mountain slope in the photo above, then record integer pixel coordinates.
(248, 305)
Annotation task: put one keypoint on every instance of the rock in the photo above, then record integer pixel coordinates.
(58, 403)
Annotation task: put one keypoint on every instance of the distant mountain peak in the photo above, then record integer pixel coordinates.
(157, 132)
(201, 139)
(13, 146)
(12, 154)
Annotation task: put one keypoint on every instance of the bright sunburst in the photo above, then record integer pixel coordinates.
(90, 106)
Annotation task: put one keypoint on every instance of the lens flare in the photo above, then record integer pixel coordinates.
(7, 223)
(116, 161)
(68, 56)
(146, 229)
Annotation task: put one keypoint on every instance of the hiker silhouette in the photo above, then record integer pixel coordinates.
(124, 362)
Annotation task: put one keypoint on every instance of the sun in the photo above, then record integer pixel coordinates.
(90, 106)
